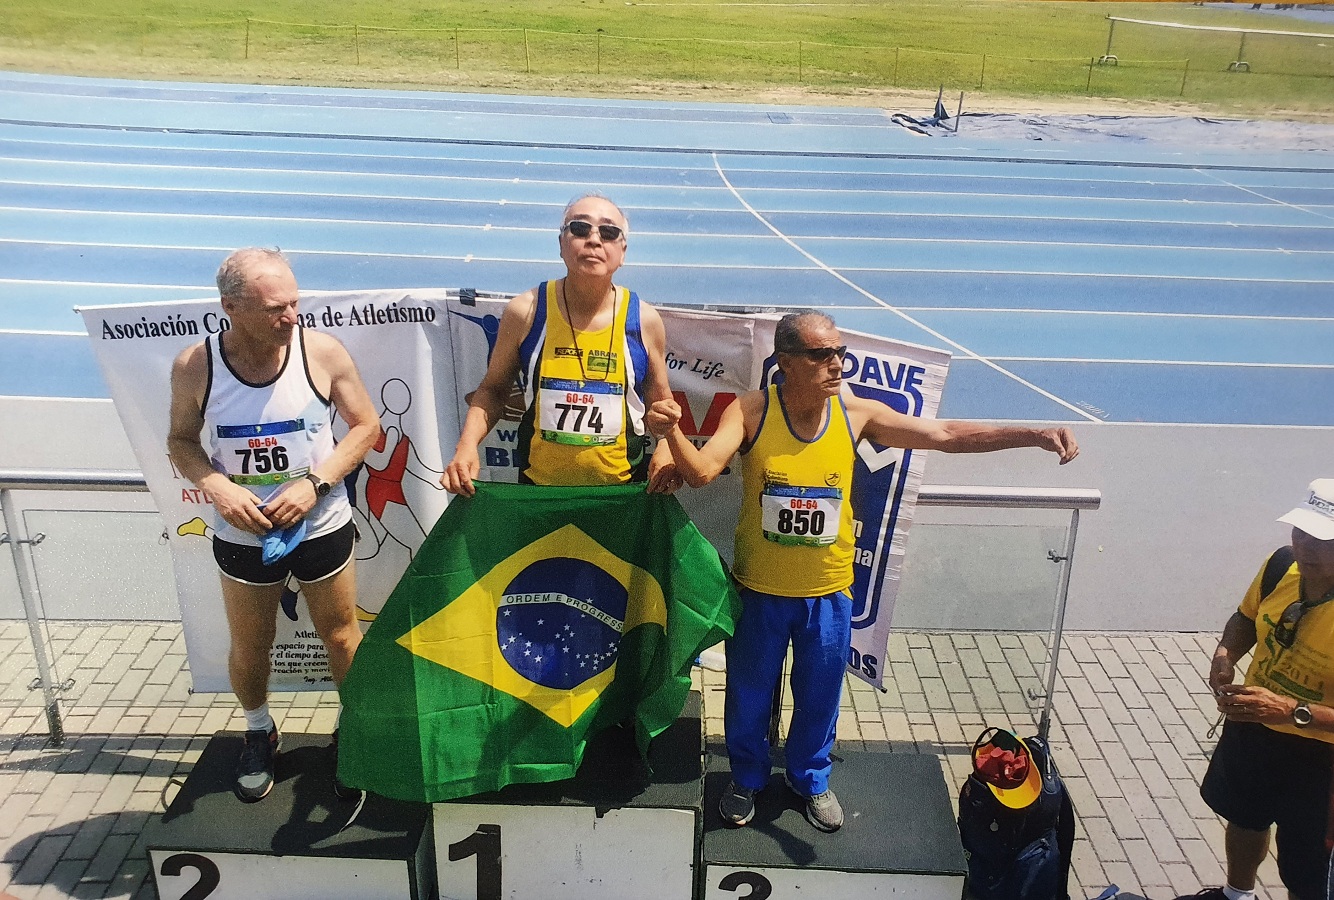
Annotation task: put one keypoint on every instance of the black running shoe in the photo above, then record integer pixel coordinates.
(342, 791)
(254, 771)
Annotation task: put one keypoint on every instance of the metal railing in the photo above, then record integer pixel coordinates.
(1073, 499)
(16, 536)
(20, 544)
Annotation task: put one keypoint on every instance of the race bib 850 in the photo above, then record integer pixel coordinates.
(801, 516)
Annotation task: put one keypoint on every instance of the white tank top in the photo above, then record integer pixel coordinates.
(262, 436)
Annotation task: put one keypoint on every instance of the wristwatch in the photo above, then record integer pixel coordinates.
(322, 487)
(1301, 715)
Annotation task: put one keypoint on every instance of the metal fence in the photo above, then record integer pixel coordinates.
(21, 544)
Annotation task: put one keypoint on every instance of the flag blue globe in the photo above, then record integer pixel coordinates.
(559, 622)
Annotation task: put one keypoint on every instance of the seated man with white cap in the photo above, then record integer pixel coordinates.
(1273, 761)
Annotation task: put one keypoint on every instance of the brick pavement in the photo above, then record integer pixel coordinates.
(1129, 731)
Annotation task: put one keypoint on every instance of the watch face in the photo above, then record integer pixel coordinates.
(1301, 716)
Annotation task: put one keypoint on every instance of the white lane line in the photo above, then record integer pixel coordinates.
(341, 173)
(1006, 310)
(881, 303)
(102, 186)
(688, 162)
(537, 182)
(816, 266)
(136, 285)
(708, 237)
(40, 332)
(307, 220)
(540, 204)
(1315, 210)
(1164, 362)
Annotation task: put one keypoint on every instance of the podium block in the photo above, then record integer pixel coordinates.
(899, 838)
(615, 830)
(295, 843)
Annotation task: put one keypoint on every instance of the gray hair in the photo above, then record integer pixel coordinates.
(787, 333)
(234, 274)
(595, 195)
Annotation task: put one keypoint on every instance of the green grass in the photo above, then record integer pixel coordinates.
(611, 47)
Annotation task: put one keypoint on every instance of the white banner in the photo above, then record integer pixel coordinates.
(421, 353)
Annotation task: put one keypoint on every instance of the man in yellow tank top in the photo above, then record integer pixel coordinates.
(794, 542)
(589, 357)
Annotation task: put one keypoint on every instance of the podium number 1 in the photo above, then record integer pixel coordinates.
(207, 869)
(484, 843)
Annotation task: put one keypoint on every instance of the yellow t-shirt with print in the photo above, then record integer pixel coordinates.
(1306, 669)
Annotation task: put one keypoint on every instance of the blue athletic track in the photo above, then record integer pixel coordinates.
(1124, 282)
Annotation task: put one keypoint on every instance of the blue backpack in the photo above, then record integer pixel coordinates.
(1018, 854)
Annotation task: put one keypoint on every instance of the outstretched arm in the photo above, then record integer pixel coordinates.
(889, 428)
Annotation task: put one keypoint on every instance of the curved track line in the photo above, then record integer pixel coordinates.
(898, 312)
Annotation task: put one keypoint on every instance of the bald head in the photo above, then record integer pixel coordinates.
(237, 270)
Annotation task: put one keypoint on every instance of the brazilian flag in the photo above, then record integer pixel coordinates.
(531, 618)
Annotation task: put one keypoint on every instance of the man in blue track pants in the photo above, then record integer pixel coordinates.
(794, 546)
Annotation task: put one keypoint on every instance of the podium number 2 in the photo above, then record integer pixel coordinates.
(760, 888)
(207, 869)
(484, 843)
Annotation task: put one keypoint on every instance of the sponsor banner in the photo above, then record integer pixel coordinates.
(421, 354)
(885, 481)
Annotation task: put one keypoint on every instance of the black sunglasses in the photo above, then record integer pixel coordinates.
(819, 354)
(581, 229)
(1285, 630)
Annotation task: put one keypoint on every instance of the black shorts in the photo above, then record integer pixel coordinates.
(1260, 777)
(314, 559)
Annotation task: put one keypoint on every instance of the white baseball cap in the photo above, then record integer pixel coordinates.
(1315, 515)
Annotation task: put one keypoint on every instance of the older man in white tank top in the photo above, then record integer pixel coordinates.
(251, 425)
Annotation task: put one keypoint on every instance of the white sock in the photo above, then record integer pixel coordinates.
(259, 719)
(1237, 893)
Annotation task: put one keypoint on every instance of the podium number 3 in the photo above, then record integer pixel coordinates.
(484, 843)
(760, 888)
(207, 869)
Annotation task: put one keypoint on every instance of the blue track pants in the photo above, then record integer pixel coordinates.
(820, 631)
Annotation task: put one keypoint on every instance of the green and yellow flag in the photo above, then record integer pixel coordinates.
(531, 618)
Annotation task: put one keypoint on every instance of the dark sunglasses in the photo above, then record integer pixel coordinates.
(820, 354)
(581, 229)
(1285, 630)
